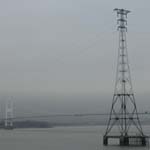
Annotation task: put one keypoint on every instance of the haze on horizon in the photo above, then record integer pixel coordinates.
(60, 56)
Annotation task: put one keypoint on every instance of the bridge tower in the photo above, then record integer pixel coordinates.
(9, 114)
(123, 119)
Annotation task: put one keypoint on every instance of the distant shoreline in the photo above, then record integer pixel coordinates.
(46, 124)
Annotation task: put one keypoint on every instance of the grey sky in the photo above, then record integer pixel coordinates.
(52, 47)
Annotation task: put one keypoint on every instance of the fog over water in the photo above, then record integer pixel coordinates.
(60, 56)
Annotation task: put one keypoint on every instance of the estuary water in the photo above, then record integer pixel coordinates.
(58, 138)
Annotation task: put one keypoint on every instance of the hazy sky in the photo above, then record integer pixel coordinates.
(69, 47)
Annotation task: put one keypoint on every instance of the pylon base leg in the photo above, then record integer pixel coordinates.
(105, 141)
(124, 141)
(127, 140)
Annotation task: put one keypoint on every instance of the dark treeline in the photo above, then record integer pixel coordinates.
(29, 124)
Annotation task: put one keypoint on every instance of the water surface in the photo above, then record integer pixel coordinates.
(58, 138)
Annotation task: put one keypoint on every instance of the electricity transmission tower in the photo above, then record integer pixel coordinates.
(9, 115)
(123, 115)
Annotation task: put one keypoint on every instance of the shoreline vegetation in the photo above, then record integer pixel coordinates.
(46, 124)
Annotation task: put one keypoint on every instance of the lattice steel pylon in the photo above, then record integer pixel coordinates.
(123, 114)
(9, 114)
